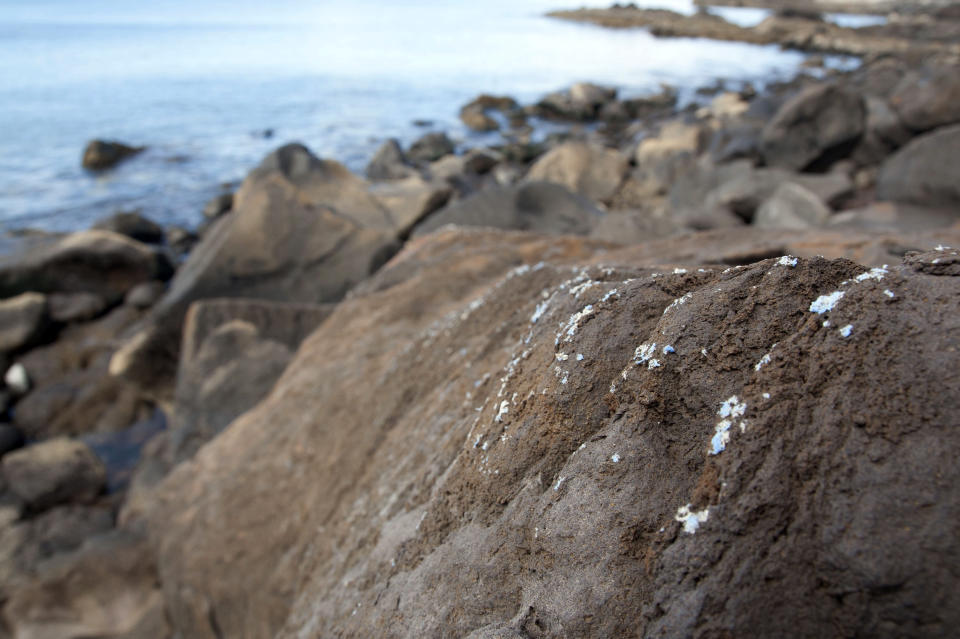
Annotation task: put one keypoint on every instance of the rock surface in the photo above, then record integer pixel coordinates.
(23, 320)
(133, 225)
(599, 448)
(53, 472)
(100, 262)
(924, 171)
(593, 172)
(820, 124)
(791, 207)
(102, 154)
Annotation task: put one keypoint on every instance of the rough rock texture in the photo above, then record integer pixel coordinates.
(925, 171)
(56, 471)
(23, 320)
(820, 124)
(591, 171)
(535, 206)
(104, 154)
(280, 243)
(580, 446)
(100, 262)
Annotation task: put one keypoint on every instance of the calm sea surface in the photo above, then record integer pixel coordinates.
(197, 82)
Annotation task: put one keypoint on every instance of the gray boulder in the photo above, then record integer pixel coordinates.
(591, 171)
(819, 125)
(925, 171)
(389, 163)
(535, 206)
(56, 471)
(75, 307)
(791, 207)
(430, 147)
(928, 99)
(23, 321)
(218, 206)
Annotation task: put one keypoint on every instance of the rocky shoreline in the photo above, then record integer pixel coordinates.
(674, 371)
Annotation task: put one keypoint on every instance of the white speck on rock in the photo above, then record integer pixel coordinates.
(721, 437)
(825, 303)
(539, 311)
(644, 352)
(888, 293)
(691, 520)
(763, 362)
(846, 330)
(668, 349)
(873, 274)
(477, 441)
(559, 483)
(615, 458)
(652, 364)
(610, 294)
(766, 395)
(562, 357)
(570, 329)
(579, 357)
(732, 407)
(787, 260)
(826, 324)
(17, 379)
(680, 301)
(679, 271)
(703, 352)
(485, 446)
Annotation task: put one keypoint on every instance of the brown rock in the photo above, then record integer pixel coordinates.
(99, 262)
(929, 98)
(143, 296)
(133, 225)
(430, 147)
(67, 308)
(101, 154)
(924, 172)
(591, 171)
(791, 207)
(23, 321)
(389, 163)
(411, 200)
(54, 472)
(818, 126)
(217, 206)
(594, 496)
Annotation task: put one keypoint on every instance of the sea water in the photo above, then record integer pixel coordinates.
(211, 86)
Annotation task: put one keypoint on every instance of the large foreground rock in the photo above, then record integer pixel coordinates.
(820, 124)
(925, 171)
(99, 262)
(507, 435)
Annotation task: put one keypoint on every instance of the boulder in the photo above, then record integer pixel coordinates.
(389, 163)
(474, 114)
(582, 102)
(634, 227)
(218, 205)
(317, 182)
(106, 589)
(276, 245)
(26, 545)
(72, 392)
(476, 119)
(133, 225)
(816, 127)
(894, 217)
(24, 321)
(536, 206)
(591, 171)
(430, 147)
(100, 262)
(675, 138)
(55, 471)
(103, 154)
(791, 207)
(925, 171)
(928, 99)
(411, 200)
(565, 442)
(68, 308)
(143, 296)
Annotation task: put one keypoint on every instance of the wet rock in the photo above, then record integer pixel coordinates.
(143, 296)
(389, 163)
(538, 206)
(24, 321)
(818, 126)
(430, 147)
(103, 154)
(928, 99)
(219, 205)
(99, 262)
(67, 308)
(750, 428)
(591, 171)
(791, 207)
(133, 225)
(106, 589)
(581, 102)
(55, 471)
(10, 438)
(924, 172)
